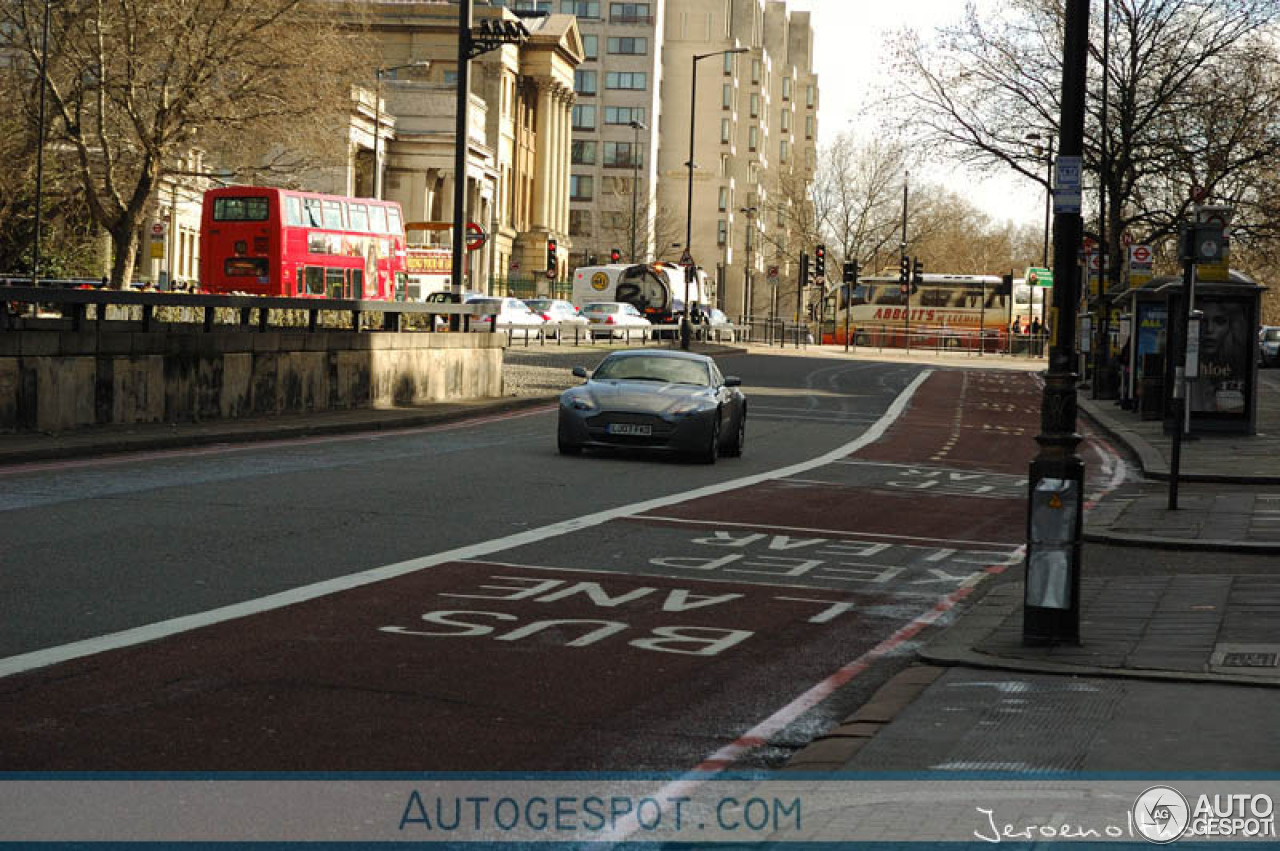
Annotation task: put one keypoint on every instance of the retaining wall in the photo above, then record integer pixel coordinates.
(56, 380)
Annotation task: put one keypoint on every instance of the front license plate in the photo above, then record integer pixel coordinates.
(630, 429)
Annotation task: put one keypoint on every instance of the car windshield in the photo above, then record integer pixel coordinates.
(1272, 336)
(667, 370)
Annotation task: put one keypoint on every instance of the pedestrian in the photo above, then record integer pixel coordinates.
(1037, 336)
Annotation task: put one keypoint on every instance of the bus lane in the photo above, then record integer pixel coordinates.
(681, 635)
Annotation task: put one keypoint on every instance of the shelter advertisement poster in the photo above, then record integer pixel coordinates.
(1151, 324)
(1225, 349)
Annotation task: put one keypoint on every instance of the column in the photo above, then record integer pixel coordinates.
(542, 170)
(558, 177)
(566, 113)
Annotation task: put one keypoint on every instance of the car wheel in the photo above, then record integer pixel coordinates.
(565, 446)
(734, 450)
(712, 452)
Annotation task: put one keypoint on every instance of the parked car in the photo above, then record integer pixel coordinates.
(614, 319)
(561, 315)
(512, 315)
(1269, 346)
(448, 297)
(720, 327)
(664, 400)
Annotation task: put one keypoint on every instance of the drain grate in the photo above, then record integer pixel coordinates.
(1250, 660)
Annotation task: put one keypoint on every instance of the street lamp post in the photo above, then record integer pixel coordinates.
(750, 213)
(44, 84)
(1055, 484)
(377, 121)
(637, 126)
(686, 331)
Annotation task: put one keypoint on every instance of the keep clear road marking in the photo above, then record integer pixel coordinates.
(152, 632)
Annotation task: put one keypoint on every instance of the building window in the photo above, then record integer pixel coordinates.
(722, 232)
(584, 117)
(591, 46)
(786, 121)
(724, 198)
(583, 152)
(810, 96)
(786, 88)
(634, 80)
(450, 78)
(581, 187)
(581, 8)
(808, 126)
(584, 82)
(784, 150)
(728, 64)
(753, 137)
(622, 154)
(726, 96)
(615, 221)
(630, 13)
(755, 71)
(629, 46)
(579, 223)
(755, 105)
(725, 127)
(622, 114)
(530, 5)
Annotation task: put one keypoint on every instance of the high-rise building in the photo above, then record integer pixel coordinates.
(753, 128)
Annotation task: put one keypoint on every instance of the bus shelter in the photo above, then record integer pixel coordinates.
(1223, 396)
(1142, 374)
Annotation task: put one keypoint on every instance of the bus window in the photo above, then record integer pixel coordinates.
(336, 282)
(359, 214)
(293, 211)
(934, 297)
(357, 283)
(377, 219)
(393, 221)
(227, 209)
(333, 215)
(245, 267)
(315, 281)
(314, 209)
(890, 294)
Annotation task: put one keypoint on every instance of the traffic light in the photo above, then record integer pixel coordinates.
(820, 262)
(850, 272)
(917, 274)
(551, 255)
(904, 270)
(615, 256)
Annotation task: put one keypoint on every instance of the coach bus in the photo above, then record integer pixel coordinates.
(952, 311)
(266, 241)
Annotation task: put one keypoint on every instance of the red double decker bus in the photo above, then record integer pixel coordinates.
(262, 240)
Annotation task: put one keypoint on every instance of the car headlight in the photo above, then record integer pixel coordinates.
(580, 403)
(685, 409)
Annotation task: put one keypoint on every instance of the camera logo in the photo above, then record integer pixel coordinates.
(1161, 814)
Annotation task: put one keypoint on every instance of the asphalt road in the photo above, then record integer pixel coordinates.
(463, 598)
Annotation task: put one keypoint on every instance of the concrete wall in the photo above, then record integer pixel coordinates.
(58, 380)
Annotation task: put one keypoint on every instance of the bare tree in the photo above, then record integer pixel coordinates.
(134, 86)
(857, 195)
(1191, 102)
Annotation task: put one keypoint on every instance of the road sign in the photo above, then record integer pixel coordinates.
(158, 230)
(686, 259)
(773, 271)
(1066, 195)
(1037, 277)
(475, 236)
(1140, 255)
(1126, 239)
(1089, 244)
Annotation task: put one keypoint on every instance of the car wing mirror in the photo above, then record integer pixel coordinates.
(732, 381)
(579, 372)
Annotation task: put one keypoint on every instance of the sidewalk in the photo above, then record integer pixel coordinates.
(1171, 642)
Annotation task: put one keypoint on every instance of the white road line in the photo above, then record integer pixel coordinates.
(153, 632)
(844, 533)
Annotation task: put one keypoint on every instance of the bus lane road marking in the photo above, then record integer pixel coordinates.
(175, 626)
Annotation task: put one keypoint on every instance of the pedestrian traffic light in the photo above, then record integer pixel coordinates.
(917, 273)
(904, 270)
(615, 256)
(551, 255)
(850, 272)
(820, 262)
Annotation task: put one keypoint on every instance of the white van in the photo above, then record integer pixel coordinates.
(657, 290)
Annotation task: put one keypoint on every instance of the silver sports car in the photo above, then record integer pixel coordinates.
(672, 401)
